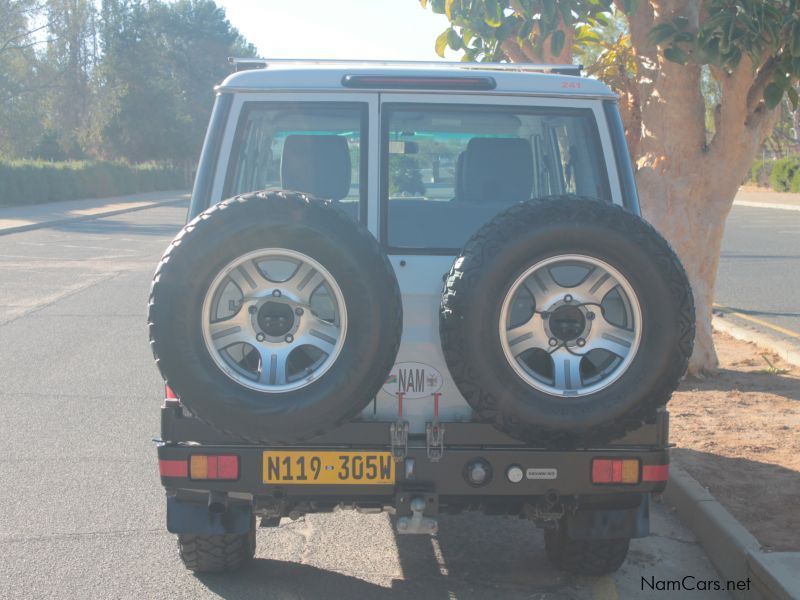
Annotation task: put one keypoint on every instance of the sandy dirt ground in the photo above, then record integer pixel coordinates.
(738, 433)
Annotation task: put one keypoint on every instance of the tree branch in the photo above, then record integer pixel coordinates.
(20, 36)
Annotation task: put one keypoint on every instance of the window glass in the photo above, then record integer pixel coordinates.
(450, 170)
(311, 148)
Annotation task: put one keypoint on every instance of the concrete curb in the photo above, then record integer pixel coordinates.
(788, 352)
(774, 205)
(90, 217)
(735, 552)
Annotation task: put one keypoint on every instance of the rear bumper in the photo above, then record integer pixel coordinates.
(557, 485)
(569, 474)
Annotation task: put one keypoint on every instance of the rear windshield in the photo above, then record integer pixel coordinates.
(307, 147)
(450, 169)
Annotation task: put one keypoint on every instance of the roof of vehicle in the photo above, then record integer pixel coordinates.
(506, 78)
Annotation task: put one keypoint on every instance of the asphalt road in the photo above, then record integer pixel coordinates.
(759, 270)
(82, 509)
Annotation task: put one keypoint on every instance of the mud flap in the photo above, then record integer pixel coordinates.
(195, 518)
(609, 524)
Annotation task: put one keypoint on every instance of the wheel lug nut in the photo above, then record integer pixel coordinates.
(276, 293)
(581, 342)
(260, 337)
(590, 315)
(298, 311)
(545, 315)
(568, 298)
(289, 339)
(253, 309)
(553, 342)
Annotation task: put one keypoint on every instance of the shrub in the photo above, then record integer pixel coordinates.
(783, 170)
(794, 186)
(760, 172)
(35, 181)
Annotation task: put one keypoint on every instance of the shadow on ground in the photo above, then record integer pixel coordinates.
(747, 381)
(472, 557)
(762, 496)
(110, 227)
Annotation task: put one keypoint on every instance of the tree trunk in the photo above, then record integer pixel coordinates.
(691, 214)
(687, 183)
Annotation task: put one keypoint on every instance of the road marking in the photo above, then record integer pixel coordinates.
(794, 207)
(604, 588)
(730, 311)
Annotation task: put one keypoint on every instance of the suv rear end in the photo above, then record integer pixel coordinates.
(419, 150)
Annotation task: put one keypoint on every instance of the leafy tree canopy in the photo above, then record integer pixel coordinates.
(717, 33)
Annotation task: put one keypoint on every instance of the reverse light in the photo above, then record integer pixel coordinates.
(220, 467)
(605, 470)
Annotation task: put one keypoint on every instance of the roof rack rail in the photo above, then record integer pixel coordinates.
(241, 64)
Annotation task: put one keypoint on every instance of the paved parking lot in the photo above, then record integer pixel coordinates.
(759, 269)
(82, 514)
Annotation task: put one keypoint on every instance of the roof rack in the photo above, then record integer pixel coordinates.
(242, 64)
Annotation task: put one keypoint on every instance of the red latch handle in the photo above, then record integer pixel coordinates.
(436, 396)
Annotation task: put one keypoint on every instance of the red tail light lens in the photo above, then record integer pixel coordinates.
(617, 471)
(169, 394)
(173, 468)
(217, 467)
(655, 472)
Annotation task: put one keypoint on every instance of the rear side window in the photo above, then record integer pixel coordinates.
(450, 169)
(314, 148)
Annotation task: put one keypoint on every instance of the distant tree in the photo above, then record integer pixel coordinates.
(70, 56)
(405, 178)
(21, 86)
(747, 52)
(159, 64)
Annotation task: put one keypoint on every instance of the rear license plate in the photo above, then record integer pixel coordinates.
(326, 468)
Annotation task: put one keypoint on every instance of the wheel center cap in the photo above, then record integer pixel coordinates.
(275, 319)
(567, 322)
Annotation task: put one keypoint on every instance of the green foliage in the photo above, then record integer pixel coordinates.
(768, 31)
(33, 182)
(760, 172)
(783, 173)
(405, 178)
(111, 79)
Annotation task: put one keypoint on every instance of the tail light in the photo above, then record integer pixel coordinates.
(221, 467)
(613, 471)
(655, 472)
(169, 394)
(173, 468)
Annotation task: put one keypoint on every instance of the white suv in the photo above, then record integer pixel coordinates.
(416, 287)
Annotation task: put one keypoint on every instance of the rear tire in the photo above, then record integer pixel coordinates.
(273, 390)
(217, 553)
(564, 389)
(584, 557)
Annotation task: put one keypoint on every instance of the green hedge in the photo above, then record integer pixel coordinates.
(34, 182)
(760, 172)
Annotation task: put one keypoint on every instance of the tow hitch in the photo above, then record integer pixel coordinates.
(417, 522)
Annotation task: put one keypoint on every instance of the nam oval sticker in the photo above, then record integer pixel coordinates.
(415, 380)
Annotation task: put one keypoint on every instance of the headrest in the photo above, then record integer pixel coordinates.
(318, 165)
(498, 170)
(458, 190)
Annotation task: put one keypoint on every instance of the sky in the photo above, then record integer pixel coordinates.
(355, 29)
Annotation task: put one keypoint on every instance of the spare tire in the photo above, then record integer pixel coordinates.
(274, 316)
(567, 321)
